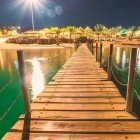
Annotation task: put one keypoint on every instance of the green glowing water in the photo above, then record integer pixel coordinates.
(121, 58)
(38, 68)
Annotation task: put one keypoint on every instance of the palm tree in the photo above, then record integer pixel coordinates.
(106, 32)
(57, 31)
(4, 31)
(133, 30)
(98, 30)
(88, 32)
(71, 30)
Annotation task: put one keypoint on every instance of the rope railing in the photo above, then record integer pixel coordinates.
(116, 79)
(8, 83)
(130, 69)
(10, 107)
(120, 69)
(136, 93)
(103, 63)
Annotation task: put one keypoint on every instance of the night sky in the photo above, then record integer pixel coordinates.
(71, 12)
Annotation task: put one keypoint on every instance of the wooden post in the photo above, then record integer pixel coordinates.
(25, 90)
(110, 62)
(131, 78)
(92, 47)
(101, 46)
(96, 51)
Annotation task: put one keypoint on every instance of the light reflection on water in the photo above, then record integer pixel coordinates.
(38, 78)
(121, 57)
(39, 72)
(123, 62)
(138, 60)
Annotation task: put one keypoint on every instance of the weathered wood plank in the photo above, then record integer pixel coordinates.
(82, 115)
(63, 106)
(81, 100)
(79, 105)
(48, 136)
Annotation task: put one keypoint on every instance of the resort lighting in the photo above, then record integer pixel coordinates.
(32, 2)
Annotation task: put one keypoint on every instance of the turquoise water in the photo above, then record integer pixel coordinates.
(120, 67)
(41, 65)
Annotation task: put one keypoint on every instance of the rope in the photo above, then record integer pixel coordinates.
(117, 79)
(136, 93)
(10, 107)
(138, 73)
(120, 69)
(8, 83)
(105, 65)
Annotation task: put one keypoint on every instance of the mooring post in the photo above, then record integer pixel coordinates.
(101, 46)
(25, 90)
(110, 62)
(92, 47)
(131, 78)
(96, 51)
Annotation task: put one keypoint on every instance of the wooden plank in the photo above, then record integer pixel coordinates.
(48, 136)
(80, 100)
(82, 115)
(64, 89)
(74, 127)
(79, 105)
(81, 95)
(63, 106)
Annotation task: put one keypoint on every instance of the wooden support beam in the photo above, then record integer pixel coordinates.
(25, 90)
(96, 51)
(131, 78)
(101, 45)
(110, 62)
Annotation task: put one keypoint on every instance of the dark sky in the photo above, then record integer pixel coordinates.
(71, 12)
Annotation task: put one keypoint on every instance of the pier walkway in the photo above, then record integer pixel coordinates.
(78, 104)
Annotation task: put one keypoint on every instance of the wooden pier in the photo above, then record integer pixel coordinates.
(79, 104)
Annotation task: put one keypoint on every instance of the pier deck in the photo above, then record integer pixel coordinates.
(79, 104)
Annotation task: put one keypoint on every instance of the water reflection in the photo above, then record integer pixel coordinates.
(118, 55)
(38, 80)
(138, 60)
(123, 62)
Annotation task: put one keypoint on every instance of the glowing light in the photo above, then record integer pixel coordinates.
(118, 55)
(38, 80)
(123, 60)
(34, 4)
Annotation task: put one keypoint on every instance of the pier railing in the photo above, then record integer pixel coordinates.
(110, 66)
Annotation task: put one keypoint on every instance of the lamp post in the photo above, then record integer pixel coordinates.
(32, 10)
(33, 4)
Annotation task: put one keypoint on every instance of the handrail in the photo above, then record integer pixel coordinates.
(120, 69)
(10, 107)
(116, 79)
(105, 65)
(8, 83)
(131, 73)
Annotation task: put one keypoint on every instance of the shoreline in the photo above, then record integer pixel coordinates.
(13, 46)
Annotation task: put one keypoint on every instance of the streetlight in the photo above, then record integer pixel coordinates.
(32, 10)
(32, 2)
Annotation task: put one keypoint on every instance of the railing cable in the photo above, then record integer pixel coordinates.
(116, 79)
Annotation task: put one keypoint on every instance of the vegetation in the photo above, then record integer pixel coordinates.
(71, 33)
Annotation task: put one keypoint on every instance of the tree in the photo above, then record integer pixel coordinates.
(71, 30)
(57, 31)
(4, 31)
(88, 32)
(98, 30)
(133, 30)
